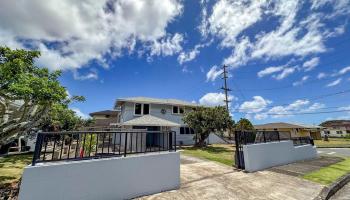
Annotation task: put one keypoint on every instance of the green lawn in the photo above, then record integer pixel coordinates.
(11, 167)
(333, 142)
(328, 175)
(222, 153)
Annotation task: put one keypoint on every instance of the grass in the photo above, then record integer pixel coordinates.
(328, 175)
(11, 167)
(333, 142)
(222, 153)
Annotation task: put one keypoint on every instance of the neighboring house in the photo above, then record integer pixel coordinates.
(159, 115)
(290, 130)
(105, 118)
(336, 128)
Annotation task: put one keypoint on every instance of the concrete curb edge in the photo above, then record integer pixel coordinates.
(329, 191)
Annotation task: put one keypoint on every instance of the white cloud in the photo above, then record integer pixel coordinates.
(258, 104)
(296, 36)
(269, 70)
(186, 57)
(321, 75)
(286, 72)
(213, 73)
(167, 46)
(334, 83)
(302, 81)
(215, 99)
(71, 34)
(282, 111)
(311, 64)
(92, 75)
(229, 18)
(344, 70)
(80, 113)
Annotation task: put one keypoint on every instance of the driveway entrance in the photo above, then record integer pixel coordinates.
(202, 179)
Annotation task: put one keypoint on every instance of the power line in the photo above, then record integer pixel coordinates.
(302, 113)
(308, 98)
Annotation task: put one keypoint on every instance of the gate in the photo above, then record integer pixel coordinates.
(242, 138)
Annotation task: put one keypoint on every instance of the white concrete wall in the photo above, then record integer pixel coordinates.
(113, 178)
(215, 139)
(264, 155)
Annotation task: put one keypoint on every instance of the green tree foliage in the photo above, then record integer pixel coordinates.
(28, 94)
(205, 120)
(244, 124)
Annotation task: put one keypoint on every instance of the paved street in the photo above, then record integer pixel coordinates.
(203, 179)
(342, 194)
(334, 151)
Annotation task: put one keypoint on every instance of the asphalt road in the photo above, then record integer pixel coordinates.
(334, 151)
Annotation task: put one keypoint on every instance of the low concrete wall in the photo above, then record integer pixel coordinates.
(113, 178)
(264, 155)
(215, 139)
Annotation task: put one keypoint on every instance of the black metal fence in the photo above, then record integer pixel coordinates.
(83, 145)
(255, 137)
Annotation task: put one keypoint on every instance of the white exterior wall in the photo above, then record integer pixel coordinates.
(214, 139)
(264, 155)
(113, 178)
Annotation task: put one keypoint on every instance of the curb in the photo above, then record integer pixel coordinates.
(333, 147)
(328, 191)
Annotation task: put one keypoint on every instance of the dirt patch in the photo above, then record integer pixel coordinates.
(304, 167)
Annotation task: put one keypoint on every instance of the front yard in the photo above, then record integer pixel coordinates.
(222, 153)
(333, 142)
(11, 168)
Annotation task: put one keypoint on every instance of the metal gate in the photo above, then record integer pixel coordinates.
(242, 138)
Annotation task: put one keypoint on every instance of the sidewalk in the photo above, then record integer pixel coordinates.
(202, 179)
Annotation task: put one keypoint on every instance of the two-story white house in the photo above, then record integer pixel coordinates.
(159, 115)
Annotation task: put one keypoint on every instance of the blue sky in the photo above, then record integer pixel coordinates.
(288, 60)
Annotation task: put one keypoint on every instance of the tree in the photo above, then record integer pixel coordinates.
(60, 117)
(244, 124)
(27, 93)
(205, 120)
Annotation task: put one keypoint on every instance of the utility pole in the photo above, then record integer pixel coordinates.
(226, 90)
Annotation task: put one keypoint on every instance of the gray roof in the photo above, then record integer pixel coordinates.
(149, 120)
(285, 125)
(105, 112)
(156, 101)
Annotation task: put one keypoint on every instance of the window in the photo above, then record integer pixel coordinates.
(178, 110)
(138, 108)
(339, 132)
(182, 130)
(186, 130)
(145, 109)
(142, 109)
(175, 109)
(182, 110)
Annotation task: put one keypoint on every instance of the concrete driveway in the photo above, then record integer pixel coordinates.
(202, 179)
(334, 151)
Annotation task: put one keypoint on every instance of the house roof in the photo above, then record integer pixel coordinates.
(156, 101)
(105, 112)
(149, 120)
(336, 123)
(284, 125)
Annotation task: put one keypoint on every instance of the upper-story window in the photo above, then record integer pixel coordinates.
(178, 110)
(141, 109)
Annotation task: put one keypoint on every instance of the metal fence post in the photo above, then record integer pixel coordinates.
(37, 148)
(126, 143)
(175, 140)
(264, 136)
